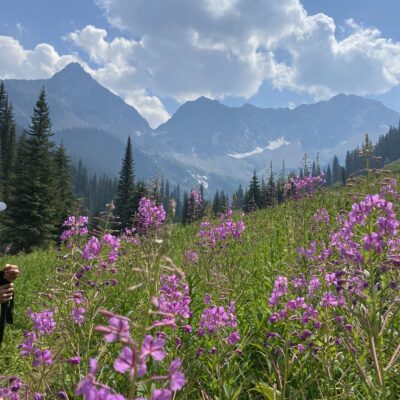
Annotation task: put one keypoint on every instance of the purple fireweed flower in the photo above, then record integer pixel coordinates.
(127, 360)
(149, 216)
(74, 360)
(191, 257)
(161, 394)
(214, 318)
(153, 348)
(313, 285)
(77, 315)
(299, 282)
(233, 338)
(90, 389)
(43, 322)
(196, 197)
(43, 357)
(211, 235)
(389, 188)
(329, 299)
(321, 215)
(77, 227)
(309, 315)
(92, 249)
(115, 243)
(295, 304)
(28, 345)
(176, 377)
(280, 289)
(174, 299)
(77, 297)
(300, 187)
(117, 329)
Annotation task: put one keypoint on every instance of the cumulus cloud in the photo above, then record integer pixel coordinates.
(228, 47)
(216, 48)
(115, 68)
(41, 62)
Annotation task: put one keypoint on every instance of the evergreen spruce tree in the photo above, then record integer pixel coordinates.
(9, 151)
(65, 196)
(280, 191)
(240, 197)
(124, 201)
(328, 176)
(185, 208)
(271, 188)
(253, 195)
(32, 213)
(264, 194)
(336, 170)
(177, 197)
(215, 203)
(3, 108)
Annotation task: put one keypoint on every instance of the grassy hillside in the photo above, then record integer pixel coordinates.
(272, 359)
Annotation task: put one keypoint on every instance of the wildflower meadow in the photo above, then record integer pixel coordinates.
(297, 301)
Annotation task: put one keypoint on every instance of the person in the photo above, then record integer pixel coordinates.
(7, 276)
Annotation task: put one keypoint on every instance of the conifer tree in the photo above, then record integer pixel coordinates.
(65, 196)
(271, 188)
(280, 191)
(238, 199)
(124, 201)
(253, 195)
(8, 147)
(215, 203)
(32, 212)
(328, 176)
(3, 108)
(336, 170)
(185, 208)
(177, 197)
(264, 194)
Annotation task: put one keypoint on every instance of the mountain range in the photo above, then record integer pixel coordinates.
(204, 141)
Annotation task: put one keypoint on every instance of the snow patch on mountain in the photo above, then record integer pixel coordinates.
(275, 144)
(272, 145)
(238, 156)
(201, 179)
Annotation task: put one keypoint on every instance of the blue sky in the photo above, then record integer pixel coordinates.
(158, 54)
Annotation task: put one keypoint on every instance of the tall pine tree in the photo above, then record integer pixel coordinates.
(124, 201)
(253, 195)
(32, 214)
(65, 197)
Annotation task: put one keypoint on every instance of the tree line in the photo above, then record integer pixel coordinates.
(35, 178)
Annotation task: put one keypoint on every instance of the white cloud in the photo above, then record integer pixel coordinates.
(115, 72)
(216, 48)
(41, 62)
(227, 47)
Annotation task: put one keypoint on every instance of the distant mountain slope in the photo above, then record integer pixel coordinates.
(204, 141)
(206, 127)
(77, 100)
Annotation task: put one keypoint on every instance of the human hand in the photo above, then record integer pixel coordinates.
(11, 272)
(6, 292)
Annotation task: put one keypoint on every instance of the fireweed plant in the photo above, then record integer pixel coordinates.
(65, 354)
(298, 301)
(340, 305)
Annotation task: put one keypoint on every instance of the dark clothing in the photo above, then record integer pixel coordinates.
(6, 315)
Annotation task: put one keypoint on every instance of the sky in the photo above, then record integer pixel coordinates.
(157, 54)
